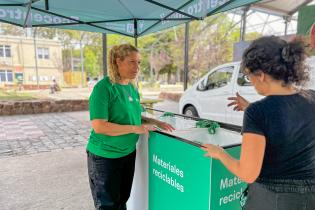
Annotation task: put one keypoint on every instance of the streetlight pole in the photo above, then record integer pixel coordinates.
(82, 60)
(35, 50)
(104, 41)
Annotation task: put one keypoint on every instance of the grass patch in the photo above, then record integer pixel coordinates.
(15, 96)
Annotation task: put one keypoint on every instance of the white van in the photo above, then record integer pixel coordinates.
(207, 98)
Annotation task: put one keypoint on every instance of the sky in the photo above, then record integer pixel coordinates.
(275, 24)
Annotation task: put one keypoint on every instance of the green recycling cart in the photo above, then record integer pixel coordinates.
(173, 173)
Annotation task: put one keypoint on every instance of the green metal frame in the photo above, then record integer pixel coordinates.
(93, 23)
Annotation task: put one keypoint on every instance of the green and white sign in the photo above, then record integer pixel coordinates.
(181, 177)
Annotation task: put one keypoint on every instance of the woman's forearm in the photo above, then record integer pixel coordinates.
(251, 159)
(149, 120)
(162, 125)
(252, 154)
(235, 167)
(112, 129)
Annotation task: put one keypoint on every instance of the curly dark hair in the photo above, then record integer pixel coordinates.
(281, 60)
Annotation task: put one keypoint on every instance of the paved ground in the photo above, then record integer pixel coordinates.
(29, 134)
(43, 162)
(45, 181)
(65, 93)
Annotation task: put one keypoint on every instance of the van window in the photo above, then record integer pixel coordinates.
(220, 78)
(202, 86)
(243, 80)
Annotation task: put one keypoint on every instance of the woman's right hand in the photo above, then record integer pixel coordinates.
(239, 103)
(143, 129)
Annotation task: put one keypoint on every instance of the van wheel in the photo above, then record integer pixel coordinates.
(191, 111)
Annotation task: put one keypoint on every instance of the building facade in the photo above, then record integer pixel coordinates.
(20, 66)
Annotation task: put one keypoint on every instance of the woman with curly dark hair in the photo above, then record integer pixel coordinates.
(278, 148)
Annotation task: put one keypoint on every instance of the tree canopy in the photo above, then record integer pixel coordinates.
(210, 44)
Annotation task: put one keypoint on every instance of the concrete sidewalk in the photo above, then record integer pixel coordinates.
(50, 180)
(43, 160)
(30, 134)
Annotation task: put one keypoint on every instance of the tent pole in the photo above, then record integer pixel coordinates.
(46, 5)
(28, 13)
(82, 59)
(287, 20)
(27, 18)
(165, 17)
(186, 55)
(175, 10)
(135, 26)
(243, 25)
(104, 43)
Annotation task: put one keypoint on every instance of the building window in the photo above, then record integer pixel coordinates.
(6, 76)
(32, 78)
(5, 51)
(43, 78)
(43, 53)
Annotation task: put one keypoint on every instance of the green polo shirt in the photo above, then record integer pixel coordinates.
(119, 104)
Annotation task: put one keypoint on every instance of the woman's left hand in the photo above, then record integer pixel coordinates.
(165, 126)
(212, 150)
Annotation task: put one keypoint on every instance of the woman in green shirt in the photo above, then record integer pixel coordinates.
(115, 113)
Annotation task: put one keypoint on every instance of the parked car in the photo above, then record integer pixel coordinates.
(207, 98)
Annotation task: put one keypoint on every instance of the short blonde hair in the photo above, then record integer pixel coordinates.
(121, 52)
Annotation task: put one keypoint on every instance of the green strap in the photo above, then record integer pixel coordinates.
(168, 114)
(211, 125)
